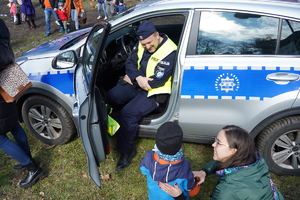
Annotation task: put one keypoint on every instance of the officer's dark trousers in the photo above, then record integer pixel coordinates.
(135, 104)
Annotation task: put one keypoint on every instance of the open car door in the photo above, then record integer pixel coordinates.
(89, 107)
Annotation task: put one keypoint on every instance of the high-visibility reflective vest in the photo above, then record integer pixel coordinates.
(163, 51)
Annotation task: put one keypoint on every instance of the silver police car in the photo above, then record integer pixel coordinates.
(238, 62)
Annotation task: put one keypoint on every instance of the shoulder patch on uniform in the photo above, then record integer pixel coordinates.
(159, 72)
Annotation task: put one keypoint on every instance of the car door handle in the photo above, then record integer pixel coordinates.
(282, 78)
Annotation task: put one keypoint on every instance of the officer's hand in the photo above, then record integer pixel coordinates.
(127, 79)
(143, 82)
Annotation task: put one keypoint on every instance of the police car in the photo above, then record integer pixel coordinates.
(238, 62)
(46, 107)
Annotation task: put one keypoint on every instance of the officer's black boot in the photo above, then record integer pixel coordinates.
(34, 174)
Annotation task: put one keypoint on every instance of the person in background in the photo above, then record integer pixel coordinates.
(28, 10)
(242, 173)
(50, 6)
(13, 10)
(147, 83)
(63, 16)
(101, 3)
(120, 7)
(74, 9)
(166, 164)
(20, 150)
(110, 8)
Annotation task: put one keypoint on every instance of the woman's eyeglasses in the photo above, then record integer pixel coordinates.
(219, 143)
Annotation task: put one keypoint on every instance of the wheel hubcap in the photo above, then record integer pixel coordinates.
(45, 122)
(286, 149)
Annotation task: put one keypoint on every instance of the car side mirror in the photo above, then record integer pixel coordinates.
(65, 60)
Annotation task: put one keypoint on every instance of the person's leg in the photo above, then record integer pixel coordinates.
(31, 18)
(109, 15)
(120, 95)
(99, 10)
(104, 10)
(130, 115)
(74, 15)
(14, 150)
(65, 26)
(21, 138)
(59, 21)
(47, 12)
(28, 21)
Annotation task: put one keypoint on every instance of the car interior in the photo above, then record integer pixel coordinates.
(118, 47)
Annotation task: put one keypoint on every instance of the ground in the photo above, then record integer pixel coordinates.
(35, 37)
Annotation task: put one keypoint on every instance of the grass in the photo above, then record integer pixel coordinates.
(66, 167)
(67, 176)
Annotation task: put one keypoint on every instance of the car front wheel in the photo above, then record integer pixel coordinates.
(47, 120)
(279, 144)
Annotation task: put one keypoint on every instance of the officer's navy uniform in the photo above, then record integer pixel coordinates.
(134, 101)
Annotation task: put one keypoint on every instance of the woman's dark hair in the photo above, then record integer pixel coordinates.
(239, 139)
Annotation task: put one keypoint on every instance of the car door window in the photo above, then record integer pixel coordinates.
(90, 51)
(236, 33)
(290, 38)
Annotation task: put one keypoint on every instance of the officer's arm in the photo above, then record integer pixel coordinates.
(163, 71)
(131, 65)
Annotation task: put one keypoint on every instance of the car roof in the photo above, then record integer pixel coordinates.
(261, 6)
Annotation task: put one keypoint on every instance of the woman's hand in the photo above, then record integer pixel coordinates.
(173, 191)
(201, 174)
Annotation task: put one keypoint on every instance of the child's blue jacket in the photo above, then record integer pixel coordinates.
(180, 173)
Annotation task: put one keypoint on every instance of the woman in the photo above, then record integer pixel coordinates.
(74, 9)
(20, 150)
(242, 172)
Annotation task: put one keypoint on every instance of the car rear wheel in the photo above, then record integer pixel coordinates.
(279, 144)
(47, 120)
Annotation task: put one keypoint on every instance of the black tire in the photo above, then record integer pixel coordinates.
(47, 120)
(279, 144)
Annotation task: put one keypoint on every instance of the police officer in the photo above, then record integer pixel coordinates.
(148, 75)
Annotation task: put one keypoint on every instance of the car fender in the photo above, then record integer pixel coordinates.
(40, 88)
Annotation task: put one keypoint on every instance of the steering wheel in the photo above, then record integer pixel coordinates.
(127, 43)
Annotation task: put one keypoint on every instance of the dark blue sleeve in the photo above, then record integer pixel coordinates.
(131, 65)
(163, 71)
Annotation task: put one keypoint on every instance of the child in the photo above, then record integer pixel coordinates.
(166, 163)
(13, 10)
(28, 11)
(63, 16)
(120, 7)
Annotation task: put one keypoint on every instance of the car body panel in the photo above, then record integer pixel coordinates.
(55, 44)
